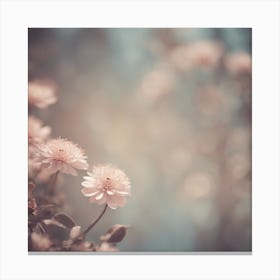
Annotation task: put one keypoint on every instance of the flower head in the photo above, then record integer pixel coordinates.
(41, 94)
(157, 83)
(37, 133)
(62, 155)
(206, 53)
(239, 63)
(181, 58)
(106, 184)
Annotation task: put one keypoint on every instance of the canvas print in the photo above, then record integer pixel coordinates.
(139, 140)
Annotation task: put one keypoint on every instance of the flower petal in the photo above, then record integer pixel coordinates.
(80, 164)
(99, 196)
(122, 192)
(88, 178)
(101, 201)
(115, 201)
(110, 193)
(87, 184)
(89, 192)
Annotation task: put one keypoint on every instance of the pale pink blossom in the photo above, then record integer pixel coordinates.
(41, 94)
(62, 155)
(157, 83)
(106, 184)
(199, 54)
(239, 63)
(37, 133)
(206, 53)
(180, 57)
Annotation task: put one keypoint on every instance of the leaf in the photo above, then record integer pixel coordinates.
(65, 220)
(46, 211)
(55, 230)
(115, 234)
(39, 229)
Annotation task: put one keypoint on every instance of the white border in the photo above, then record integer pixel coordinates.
(263, 16)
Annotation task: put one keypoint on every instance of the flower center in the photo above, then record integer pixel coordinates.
(60, 155)
(107, 185)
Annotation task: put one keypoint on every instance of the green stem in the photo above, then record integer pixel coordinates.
(95, 221)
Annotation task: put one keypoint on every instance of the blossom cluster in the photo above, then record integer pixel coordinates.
(48, 158)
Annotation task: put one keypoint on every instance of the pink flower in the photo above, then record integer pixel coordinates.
(239, 63)
(157, 83)
(37, 133)
(62, 155)
(206, 53)
(106, 184)
(41, 94)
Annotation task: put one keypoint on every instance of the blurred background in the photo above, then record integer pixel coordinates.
(170, 107)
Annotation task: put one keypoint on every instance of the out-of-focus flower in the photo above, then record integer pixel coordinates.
(106, 184)
(41, 94)
(157, 83)
(37, 133)
(106, 247)
(40, 242)
(199, 54)
(206, 53)
(62, 155)
(180, 58)
(198, 185)
(239, 63)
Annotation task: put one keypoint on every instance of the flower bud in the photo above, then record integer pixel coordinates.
(115, 234)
